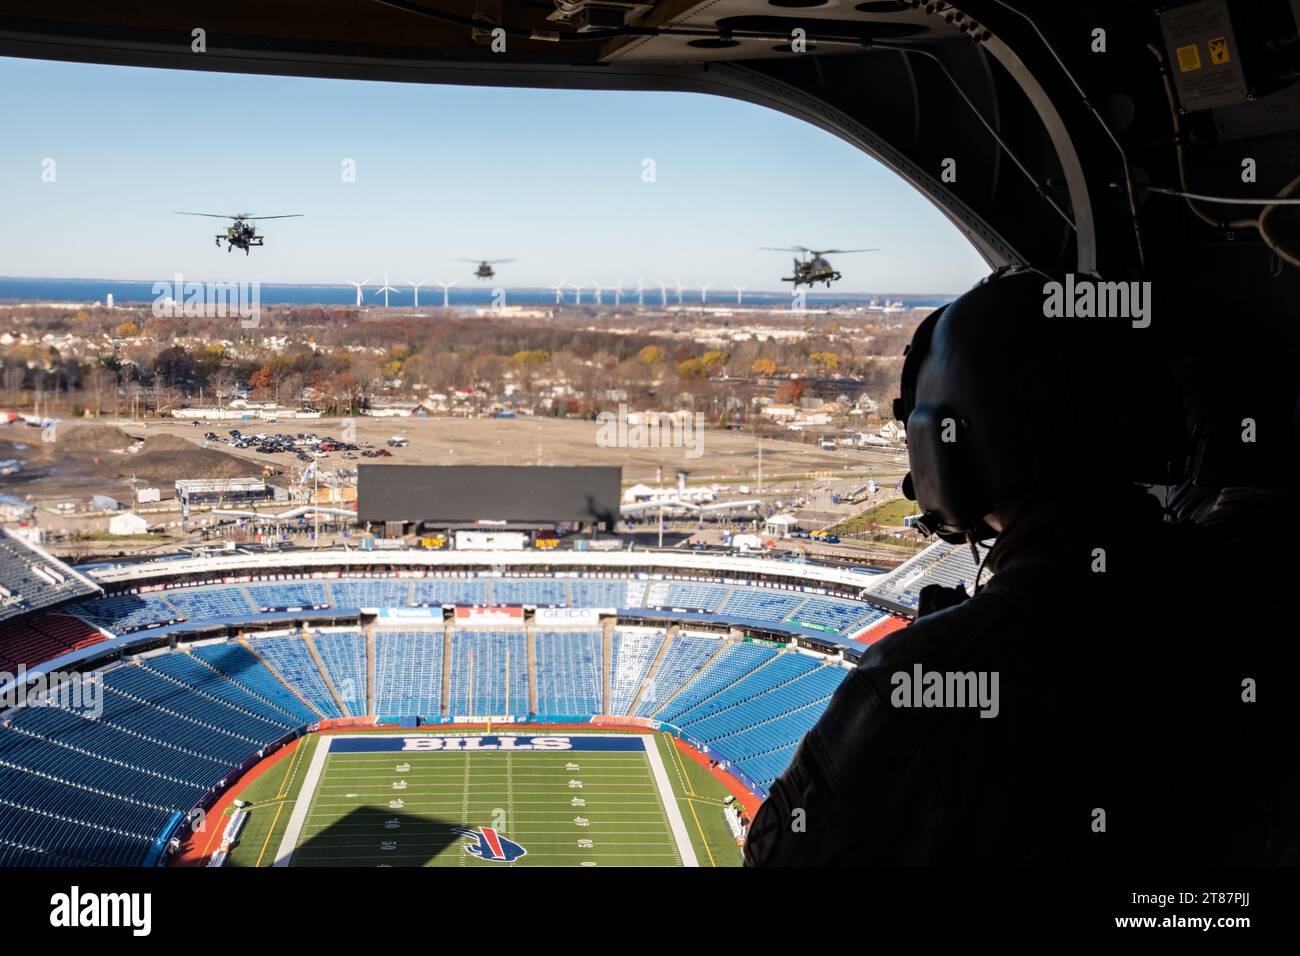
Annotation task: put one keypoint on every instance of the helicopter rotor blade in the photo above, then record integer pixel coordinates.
(210, 215)
(839, 252)
(292, 215)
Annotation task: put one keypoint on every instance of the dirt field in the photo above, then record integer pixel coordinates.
(88, 458)
(727, 457)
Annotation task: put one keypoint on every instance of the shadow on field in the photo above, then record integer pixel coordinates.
(374, 836)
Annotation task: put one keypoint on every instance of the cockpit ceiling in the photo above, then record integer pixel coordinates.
(695, 32)
(871, 21)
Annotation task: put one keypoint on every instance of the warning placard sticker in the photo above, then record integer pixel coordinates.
(1189, 58)
(1201, 49)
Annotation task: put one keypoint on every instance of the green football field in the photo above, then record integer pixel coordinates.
(336, 802)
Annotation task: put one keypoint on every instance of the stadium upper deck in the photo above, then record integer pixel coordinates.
(31, 579)
(827, 606)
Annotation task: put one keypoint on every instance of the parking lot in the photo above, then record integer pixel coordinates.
(304, 446)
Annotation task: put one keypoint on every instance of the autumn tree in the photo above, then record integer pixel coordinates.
(790, 391)
(826, 360)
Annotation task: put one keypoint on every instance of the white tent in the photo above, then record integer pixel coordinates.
(127, 523)
(780, 525)
(638, 493)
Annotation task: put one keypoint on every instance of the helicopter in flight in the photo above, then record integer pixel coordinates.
(811, 265)
(241, 233)
(484, 270)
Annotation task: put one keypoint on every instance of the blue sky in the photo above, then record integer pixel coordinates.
(551, 178)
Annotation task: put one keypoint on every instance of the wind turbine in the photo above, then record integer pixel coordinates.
(359, 285)
(416, 287)
(740, 289)
(679, 290)
(559, 291)
(640, 292)
(663, 294)
(385, 289)
(599, 301)
(445, 287)
(577, 292)
(704, 292)
(618, 291)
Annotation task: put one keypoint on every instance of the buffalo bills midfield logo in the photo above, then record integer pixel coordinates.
(487, 844)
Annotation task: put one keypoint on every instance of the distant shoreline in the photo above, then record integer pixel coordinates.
(25, 290)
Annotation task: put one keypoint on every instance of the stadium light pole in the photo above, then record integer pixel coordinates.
(315, 488)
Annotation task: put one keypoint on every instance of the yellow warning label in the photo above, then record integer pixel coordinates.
(1189, 58)
(1219, 51)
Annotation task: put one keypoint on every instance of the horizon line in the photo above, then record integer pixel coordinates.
(526, 288)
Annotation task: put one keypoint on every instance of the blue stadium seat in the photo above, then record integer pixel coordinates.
(357, 593)
(124, 613)
(683, 594)
(292, 661)
(288, 594)
(437, 591)
(687, 655)
(568, 671)
(237, 664)
(598, 593)
(735, 661)
(842, 617)
(632, 653)
(209, 603)
(408, 673)
(489, 673)
(344, 655)
(541, 592)
(756, 604)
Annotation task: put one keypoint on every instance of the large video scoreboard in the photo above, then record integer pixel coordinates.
(467, 493)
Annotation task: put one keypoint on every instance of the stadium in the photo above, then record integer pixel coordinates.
(389, 706)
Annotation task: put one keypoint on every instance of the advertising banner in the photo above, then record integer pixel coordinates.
(568, 616)
(472, 616)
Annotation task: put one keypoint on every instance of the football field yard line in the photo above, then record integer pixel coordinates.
(675, 821)
(267, 842)
(303, 804)
(295, 760)
(510, 797)
(343, 809)
(703, 838)
(464, 804)
(681, 769)
(689, 795)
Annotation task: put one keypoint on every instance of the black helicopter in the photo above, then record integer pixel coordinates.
(241, 233)
(484, 270)
(811, 266)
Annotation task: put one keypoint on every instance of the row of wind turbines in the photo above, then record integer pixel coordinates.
(559, 287)
(385, 289)
(639, 291)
